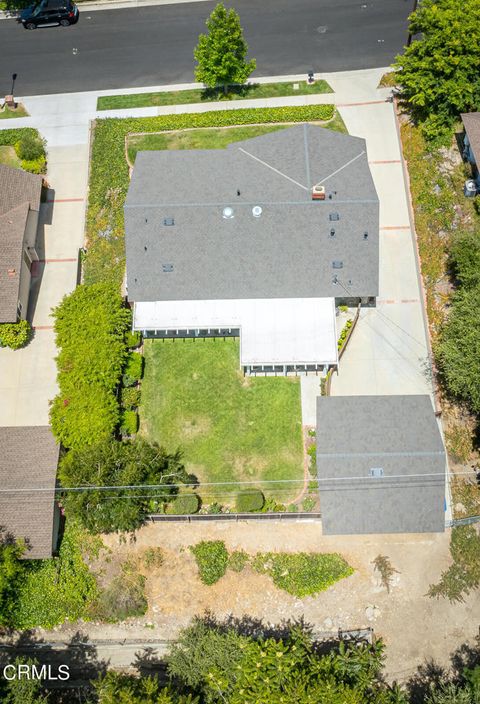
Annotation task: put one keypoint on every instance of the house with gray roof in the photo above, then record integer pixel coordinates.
(471, 142)
(381, 465)
(28, 469)
(260, 240)
(19, 211)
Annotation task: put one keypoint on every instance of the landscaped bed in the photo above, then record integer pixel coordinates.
(199, 95)
(230, 428)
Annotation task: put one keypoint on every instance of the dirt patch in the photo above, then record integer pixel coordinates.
(414, 626)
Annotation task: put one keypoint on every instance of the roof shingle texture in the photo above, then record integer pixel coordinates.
(28, 460)
(287, 252)
(400, 436)
(19, 193)
(471, 121)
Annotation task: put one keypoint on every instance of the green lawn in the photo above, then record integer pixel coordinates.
(208, 138)
(198, 95)
(9, 158)
(229, 427)
(8, 113)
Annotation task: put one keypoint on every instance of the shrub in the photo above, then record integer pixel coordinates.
(308, 504)
(464, 258)
(292, 508)
(312, 453)
(130, 397)
(212, 560)
(272, 506)
(129, 423)
(15, 335)
(184, 504)
(302, 574)
(30, 147)
(90, 326)
(238, 560)
(133, 339)
(133, 369)
(249, 500)
(35, 166)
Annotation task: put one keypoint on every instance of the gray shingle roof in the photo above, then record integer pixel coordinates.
(286, 252)
(471, 121)
(28, 459)
(19, 192)
(396, 434)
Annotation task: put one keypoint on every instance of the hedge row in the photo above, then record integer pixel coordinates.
(109, 180)
(90, 328)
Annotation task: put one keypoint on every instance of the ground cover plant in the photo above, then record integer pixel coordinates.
(463, 575)
(109, 177)
(211, 557)
(229, 427)
(199, 95)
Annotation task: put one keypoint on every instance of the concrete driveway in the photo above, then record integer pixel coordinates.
(388, 352)
(28, 376)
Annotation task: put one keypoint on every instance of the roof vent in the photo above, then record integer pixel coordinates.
(332, 232)
(337, 264)
(256, 211)
(333, 216)
(167, 267)
(318, 192)
(376, 472)
(168, 221)
(228, 213)
(365, 235)
(335, 279)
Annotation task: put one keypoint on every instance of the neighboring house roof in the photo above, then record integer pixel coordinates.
(28, 460)
(471, 122)
(19, 193)
(360, 435)
(285, 252)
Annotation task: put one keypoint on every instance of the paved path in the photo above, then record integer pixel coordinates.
(153, 45)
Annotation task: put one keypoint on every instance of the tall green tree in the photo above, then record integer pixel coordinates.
(118, 464)
(439, 72)
(117, 688)
(22, 690)
(458, 350)
(221, 54)
(11, 572)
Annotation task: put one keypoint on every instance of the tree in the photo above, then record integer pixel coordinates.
(11, 571)
(439, 72)
(116, 688)
(22, 690)
(112, 463)
(458, 350)
(221, 54)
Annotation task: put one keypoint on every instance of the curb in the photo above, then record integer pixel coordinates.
(106, 5)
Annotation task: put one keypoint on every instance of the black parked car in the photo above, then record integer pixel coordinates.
(48, 13)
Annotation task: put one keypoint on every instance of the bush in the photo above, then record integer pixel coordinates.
(272, 506)
(292, 508)
(130, 397)
(15, 335)
(133, 339)
(464, 258)
(249, 500)
(302, 574)
(129, 423)
(35, 166)
(184, 504)
(308, 504)
(90, 327)
(133, 369)
(30, 147)
(238, 560)
(212, 560)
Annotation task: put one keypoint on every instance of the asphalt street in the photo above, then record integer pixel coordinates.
(153, 45)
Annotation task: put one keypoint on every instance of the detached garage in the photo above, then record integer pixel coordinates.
(381, 465)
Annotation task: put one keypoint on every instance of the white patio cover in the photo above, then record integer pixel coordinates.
(272, 331)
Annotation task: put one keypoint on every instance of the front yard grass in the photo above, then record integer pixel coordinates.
(199, 95)
(229, 427)
(7, 113)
